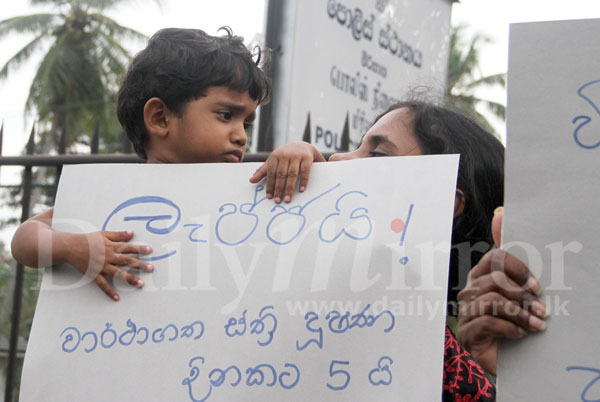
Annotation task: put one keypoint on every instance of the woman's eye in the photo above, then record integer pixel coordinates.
(225, 115)
(374, 154)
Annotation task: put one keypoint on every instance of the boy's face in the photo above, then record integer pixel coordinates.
(210, 129)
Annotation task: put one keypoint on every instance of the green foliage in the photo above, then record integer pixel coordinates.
(82, 65)
(31, 285)
(32, 281)
(464, 76)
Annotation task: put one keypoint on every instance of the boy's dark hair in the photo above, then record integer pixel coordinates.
(179, 65)
(444, 130)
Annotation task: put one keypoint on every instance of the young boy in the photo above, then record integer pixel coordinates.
(188, 97)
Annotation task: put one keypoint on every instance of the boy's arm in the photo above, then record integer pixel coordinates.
(283, 167)
(97, 254)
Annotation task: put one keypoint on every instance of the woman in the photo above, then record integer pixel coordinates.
(418, 128)
(415, 127)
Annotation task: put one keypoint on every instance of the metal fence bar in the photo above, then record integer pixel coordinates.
(57, 160)
(95, 144)
(273, 38)
(62, 149)
(18, 292)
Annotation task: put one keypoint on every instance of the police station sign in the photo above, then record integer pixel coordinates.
(344, 61)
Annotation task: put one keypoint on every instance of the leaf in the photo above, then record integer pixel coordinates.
(463, 75)
(37, 24)
(80, 69)
(21, 56)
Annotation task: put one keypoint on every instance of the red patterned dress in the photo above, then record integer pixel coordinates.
(464, 379)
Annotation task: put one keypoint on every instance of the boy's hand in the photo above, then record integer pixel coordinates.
(100, 255)
(284, 166)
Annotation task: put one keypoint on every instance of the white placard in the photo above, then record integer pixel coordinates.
(351, 59)
(551, 216)
(340, 295)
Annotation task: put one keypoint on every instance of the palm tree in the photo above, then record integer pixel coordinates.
(464, 76)
(75, 85)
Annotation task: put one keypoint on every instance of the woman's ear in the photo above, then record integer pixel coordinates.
(459, 203)
(155, 117)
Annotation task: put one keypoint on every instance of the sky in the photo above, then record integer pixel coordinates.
(493, 18)
(144, 16)
(247, 17)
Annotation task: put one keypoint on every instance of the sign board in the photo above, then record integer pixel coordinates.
(551, 217)
(342, 62)
(339, 295)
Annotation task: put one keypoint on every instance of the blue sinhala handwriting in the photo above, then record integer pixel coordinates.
(260, 375)
(355, 214)
(149, 219)
(583, 120)
(595, 371)
(348, 218)
(297, 213)
(266, 324)
(311, 317)
(237, 223)
(381, 375)
(108, 338)
(246, 210)
(285, 377)
(410, 209)
(266, 375)
(339, 323)
(195, 227)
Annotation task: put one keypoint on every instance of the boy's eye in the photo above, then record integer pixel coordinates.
(248, 125)
(374, 154)
(225, 115)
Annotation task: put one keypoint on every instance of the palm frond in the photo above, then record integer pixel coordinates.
(112, 59)
(464, 58)
(490, 80)
(498, 109)
(54, 2)
(48, 68)
(106, 4)
(464, 78)
(35, 23)
(112, 28)
(468, 102)
(77, 79)
(22, 55)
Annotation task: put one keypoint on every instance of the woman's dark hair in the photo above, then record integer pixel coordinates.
(179, 65)
(442, 130)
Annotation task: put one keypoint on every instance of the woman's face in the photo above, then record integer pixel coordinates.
(392, 135)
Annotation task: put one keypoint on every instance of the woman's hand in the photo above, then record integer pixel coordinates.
(500, 300)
